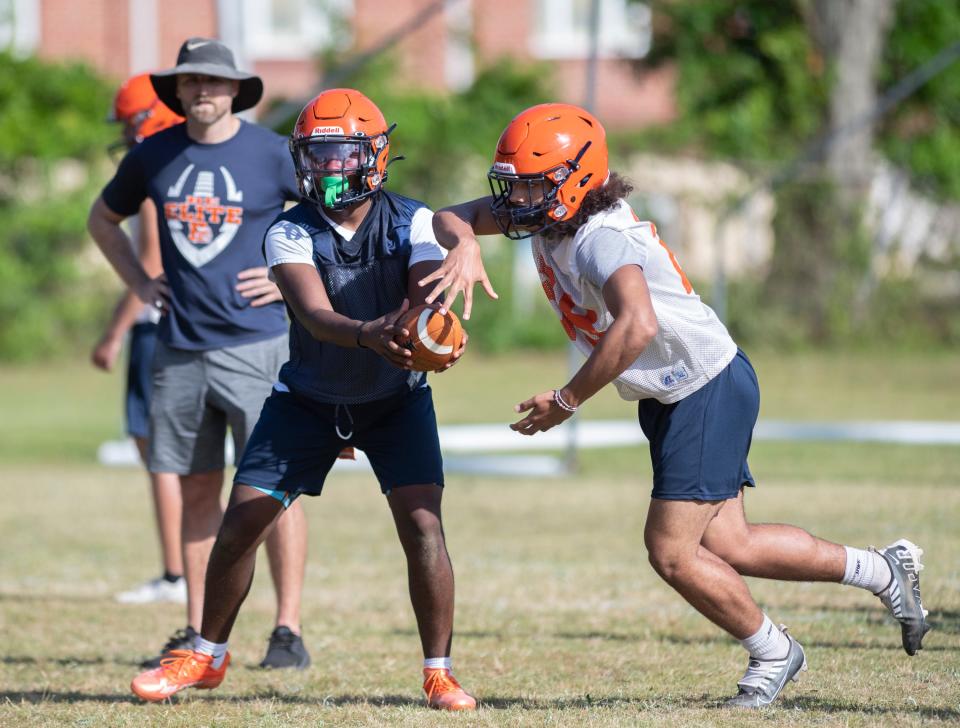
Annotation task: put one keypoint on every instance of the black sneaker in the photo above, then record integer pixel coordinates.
(286, 650)
(182, 639)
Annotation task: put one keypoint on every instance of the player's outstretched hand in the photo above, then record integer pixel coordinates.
(457, 354)
(460, 271)
(256, 285)
(378, 335)
(544, 414)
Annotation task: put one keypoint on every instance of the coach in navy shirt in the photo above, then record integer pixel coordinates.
(217, 183)
(215, 201)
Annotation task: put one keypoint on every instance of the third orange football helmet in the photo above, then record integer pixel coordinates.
(548, 158)
(136, 105)
(340, 145)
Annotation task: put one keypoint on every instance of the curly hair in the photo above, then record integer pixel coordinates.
(600, 199)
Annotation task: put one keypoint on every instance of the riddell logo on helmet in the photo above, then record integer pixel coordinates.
(504, 167)
(321, 130)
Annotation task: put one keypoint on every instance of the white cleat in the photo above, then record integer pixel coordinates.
(764, 680)
(902, 595)
(156, 590)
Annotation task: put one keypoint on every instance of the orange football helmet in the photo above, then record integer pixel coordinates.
(340, 145)
(136, 105)
(548, 158)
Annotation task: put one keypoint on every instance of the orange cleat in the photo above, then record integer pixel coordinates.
(444, 692)
(180, 670)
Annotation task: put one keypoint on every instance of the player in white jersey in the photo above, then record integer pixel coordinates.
(624, 299)
(142, 114)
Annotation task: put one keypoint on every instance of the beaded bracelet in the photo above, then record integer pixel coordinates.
(560, 402)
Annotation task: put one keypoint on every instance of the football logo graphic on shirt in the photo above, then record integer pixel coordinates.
(192, 218)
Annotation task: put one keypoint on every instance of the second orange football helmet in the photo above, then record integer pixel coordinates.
(340, 145)
(548, 158)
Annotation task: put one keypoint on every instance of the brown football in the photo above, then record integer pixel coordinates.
(433, 337)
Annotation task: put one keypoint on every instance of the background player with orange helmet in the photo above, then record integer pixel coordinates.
(137, 107)
(624, 300)
(347, 259)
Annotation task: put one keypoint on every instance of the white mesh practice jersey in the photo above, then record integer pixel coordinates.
(691, 346)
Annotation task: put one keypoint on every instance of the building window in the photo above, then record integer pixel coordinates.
(293, 29)
(19, 26)
(561, 29)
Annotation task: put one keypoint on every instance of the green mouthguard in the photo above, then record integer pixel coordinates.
(333, 188)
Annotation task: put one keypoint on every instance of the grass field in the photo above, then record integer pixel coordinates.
(560, 621)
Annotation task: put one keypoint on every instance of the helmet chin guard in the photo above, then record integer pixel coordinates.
(336, 171)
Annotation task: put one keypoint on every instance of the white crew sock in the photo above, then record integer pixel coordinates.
(768, 643)
(867, 570)
(433, 663)
(217, 650)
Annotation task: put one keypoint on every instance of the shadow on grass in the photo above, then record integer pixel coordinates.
(943, 620)
(721, 639)
(946, 620)
(35, 697)
(804, 702)
(65, 661)
(587, 701)
(497, 702)
(893, 644)
(41, 696)
(374, 701)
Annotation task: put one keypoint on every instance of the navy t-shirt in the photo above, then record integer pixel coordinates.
(214, 203)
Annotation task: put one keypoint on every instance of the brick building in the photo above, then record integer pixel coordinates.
(441, 42)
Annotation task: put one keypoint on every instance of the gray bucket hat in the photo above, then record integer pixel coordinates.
(207, 57)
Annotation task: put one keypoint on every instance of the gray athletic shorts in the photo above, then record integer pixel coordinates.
(196, 394)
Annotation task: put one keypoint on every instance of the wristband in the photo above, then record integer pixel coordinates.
(360, 331)
(566, 407)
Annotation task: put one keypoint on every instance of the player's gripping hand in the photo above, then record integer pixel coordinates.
(456, 355)
(255, 284)
(377, 335)
(459, 272)
(544, 414)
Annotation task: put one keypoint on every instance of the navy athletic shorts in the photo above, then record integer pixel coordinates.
(699, 445)
(296, 441)
(143, 341)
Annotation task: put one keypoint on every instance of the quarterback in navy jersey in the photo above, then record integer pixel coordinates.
(347, 259)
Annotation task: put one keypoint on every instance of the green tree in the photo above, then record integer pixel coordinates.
(51, 137)
(759, 80)
(923, 133)
(752, 84)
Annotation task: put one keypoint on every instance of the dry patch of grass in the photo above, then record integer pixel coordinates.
(560, 621)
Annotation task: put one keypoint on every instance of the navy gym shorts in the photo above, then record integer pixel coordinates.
(296, 441)
(699, 445)
(143, 342)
